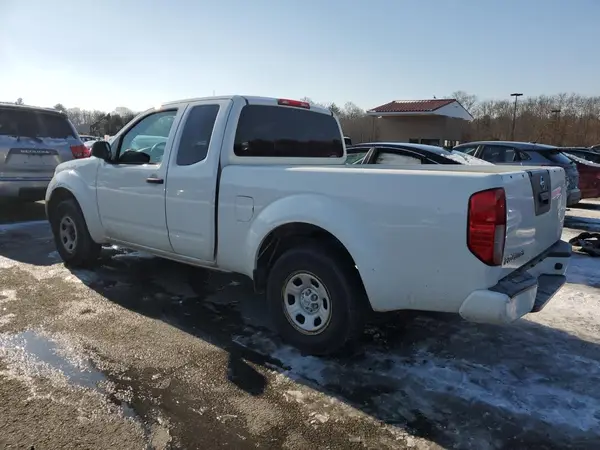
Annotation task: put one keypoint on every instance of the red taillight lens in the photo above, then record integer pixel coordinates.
(296, 103)
(80, 151)
(487, 225)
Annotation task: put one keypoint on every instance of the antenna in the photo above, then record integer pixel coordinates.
(213, 92)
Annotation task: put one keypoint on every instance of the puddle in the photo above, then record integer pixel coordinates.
(39, 356)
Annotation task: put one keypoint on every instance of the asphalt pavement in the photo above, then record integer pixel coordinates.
(145, 353)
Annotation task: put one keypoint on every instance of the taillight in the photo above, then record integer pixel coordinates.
(487, 225)
(296, 103)
(80, 151)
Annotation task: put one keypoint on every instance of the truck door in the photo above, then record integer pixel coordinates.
(192, 179)
(131, 188)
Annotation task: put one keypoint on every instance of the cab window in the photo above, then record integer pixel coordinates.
(145, 142)
(275, 131)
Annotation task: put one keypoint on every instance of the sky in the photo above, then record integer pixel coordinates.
(109, 53)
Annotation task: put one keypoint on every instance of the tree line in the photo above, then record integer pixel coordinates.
(96, 122)
(561, 119)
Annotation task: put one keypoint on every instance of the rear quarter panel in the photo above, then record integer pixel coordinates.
(405, 229)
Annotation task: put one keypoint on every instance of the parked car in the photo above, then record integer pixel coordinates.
(582, 153)
(589, 171)
(526, 154)
(33, 141)
(259, 186)
(401, 153)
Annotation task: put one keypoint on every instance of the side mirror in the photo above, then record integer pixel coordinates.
(101, 150)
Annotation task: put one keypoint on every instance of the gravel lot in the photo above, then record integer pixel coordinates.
(129, 356)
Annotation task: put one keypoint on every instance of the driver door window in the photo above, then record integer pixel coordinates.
(145, 142)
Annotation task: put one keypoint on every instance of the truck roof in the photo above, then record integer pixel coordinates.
(247, 98)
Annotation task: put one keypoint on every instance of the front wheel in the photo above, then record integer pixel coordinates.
(316, 300)
(71, 236)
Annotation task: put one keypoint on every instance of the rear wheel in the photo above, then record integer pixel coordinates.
(73, 241)
(316, 301)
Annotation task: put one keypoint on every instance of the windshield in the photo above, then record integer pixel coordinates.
(463, 158)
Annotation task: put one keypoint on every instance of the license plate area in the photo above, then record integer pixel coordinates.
(30, 158)
(540, 186)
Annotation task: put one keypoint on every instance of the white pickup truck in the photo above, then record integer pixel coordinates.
(258, 186)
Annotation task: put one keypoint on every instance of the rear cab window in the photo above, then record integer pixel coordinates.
(36, 124)
(287, 132)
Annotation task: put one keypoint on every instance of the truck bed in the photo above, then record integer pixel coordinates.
(419, 215)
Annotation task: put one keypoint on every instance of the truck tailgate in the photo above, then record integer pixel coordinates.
(535, 206)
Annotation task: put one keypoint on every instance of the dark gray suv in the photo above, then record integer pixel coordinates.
(33, 141)
(526, 154)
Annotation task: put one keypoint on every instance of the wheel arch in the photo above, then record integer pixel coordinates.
(283, 224)
(290, 235)
(85, 197)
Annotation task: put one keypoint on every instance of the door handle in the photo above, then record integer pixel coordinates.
(154, 180)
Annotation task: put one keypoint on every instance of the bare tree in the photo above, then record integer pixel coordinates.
(469, 101)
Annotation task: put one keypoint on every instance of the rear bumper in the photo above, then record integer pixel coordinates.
(33, 189)
(524, 291)
(573, 197)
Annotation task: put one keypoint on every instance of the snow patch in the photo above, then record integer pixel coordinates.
(6, 319)
(584, 270)
(7, 263)
(7, 295)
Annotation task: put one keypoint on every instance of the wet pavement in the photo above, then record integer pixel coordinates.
(146, 353)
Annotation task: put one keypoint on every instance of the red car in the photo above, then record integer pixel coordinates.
(588, 166)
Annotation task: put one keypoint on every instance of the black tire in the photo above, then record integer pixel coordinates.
(85, 251)
(347, 299)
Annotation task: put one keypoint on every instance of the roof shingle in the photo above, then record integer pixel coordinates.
(401, 106)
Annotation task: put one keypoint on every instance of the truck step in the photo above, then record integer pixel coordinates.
(548, 285)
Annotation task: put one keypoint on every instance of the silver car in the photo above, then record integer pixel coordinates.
(33, 141)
